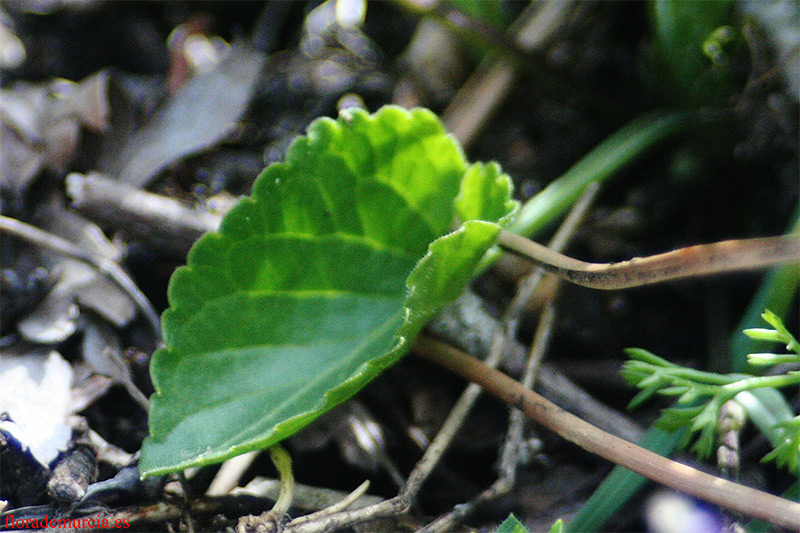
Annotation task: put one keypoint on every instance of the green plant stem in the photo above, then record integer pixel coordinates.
(709, 488)
(283, 463)
(761, 382)
(647, 365)
(618, 150)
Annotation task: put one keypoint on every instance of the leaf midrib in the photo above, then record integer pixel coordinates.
(374, 244)
(293, 294)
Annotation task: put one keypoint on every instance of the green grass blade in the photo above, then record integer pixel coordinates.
(776, 293)
(621, 484)
(610, 156)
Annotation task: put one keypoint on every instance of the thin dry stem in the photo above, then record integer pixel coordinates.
(504, 335)
(341, 505)
(712, 489)
(699, 260)
(490, 84)
(509, 456)
(230, 473)
(109, 268)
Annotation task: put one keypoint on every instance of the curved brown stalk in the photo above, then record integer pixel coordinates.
(703, 259)
(722, 492)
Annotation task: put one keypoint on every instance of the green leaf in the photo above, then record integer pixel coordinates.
(512, 525)
(787, 450)
(778, 334)
(706, 424)
(489, 12)
(316, 283)
(692, 43)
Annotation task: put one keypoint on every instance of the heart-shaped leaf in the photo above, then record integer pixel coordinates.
(317, 282)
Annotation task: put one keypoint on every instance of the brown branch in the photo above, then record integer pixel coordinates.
(163, 222)
(678, 476)
(703, 259)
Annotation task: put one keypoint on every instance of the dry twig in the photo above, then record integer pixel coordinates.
(699, 260)
(109, 268)
(712, 489)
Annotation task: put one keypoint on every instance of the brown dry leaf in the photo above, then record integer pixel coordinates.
(55, 319)
(40, 126)
(102, 350)
(203, 112)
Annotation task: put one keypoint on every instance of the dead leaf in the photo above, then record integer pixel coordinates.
(102, 350)
(203, 112)
(55, 319)
(35, 393)
(40, 126)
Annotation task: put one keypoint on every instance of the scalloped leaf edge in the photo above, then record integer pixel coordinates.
(476, 235)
